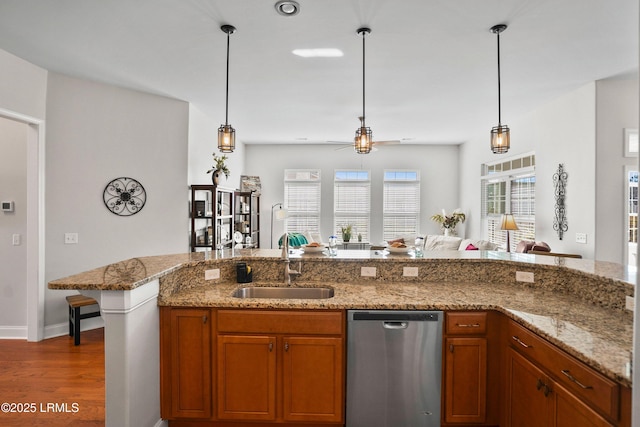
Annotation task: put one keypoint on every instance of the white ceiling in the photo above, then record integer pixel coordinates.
(431, 64)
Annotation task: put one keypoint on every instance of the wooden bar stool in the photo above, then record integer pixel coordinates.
(75, 302)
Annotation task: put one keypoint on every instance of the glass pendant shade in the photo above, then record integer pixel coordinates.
(500, 139)
(226, 138)
(363, 140)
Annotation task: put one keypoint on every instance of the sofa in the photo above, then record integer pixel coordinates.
(439, 242)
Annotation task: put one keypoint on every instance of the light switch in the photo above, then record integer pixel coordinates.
(16, 240)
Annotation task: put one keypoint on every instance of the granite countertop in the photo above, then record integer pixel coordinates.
(597, 336)
(576, 304)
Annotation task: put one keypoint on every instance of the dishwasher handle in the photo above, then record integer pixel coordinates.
(395, 325)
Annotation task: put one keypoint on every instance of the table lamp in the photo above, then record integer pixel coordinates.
(508, 224)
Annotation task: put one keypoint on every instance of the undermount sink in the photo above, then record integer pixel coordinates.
(283, 292)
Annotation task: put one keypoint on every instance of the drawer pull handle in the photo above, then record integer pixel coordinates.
(572, 378)
(286, 346)
(463, 325)
(519, 341)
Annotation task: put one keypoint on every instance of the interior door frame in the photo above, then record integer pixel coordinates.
(35, 222)
(625, 212)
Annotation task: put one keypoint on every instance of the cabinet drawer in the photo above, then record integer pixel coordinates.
(466, 323)
(598, 391)
(281, 322)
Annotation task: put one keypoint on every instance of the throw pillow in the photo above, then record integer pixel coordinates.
(470, 247)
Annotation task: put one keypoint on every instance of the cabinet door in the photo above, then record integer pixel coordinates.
(189, 376)
(571, 411)
(246, 377)
(527, 404)
(313, 379)
(465, 380)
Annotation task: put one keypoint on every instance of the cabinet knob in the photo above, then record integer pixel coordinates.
(204, 319)
(270, 346)
(286, 346)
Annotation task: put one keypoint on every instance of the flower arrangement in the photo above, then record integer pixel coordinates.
(220, 165)
(449, 222)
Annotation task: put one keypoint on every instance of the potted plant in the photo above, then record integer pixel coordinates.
(218, 168)
(449, 222)
(346, 232)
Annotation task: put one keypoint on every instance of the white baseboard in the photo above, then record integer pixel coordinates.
(60, 329)
(13, 332)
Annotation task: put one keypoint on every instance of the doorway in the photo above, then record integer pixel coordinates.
(33, 239)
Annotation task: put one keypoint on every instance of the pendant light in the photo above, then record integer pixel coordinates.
(364, 137)
(500, 138)
(226, 132)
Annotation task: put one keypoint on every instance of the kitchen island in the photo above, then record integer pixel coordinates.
(577, 305)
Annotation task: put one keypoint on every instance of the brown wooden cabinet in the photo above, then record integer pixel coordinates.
(246, 377)
(185, 360)
(547, 387)
(465, 367)
(282, 366)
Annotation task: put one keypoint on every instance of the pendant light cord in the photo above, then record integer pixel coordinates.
(364, 34)
(226, 113)
(499, 106)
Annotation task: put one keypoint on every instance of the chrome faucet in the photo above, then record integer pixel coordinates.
(288, 272)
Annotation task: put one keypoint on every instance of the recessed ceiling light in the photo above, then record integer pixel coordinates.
(287, 7)
(318, 53)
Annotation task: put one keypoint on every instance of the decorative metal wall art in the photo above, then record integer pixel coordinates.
(560, 183)
(124, 196)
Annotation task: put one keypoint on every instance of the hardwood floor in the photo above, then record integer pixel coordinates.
(59, 384)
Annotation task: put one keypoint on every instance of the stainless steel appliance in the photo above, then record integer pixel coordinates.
(394, 366)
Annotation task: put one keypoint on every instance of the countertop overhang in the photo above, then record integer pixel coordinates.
(573, 303)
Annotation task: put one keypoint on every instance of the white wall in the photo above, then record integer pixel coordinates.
(438, 166)
(13, 259)
(617, 108)
(96, 133)
(203, 142)
(23, 86)
(562, 131)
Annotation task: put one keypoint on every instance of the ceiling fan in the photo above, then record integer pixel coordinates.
(373, 144)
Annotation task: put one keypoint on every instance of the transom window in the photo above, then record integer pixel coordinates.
(508, 186)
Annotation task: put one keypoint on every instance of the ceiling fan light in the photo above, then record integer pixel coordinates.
(500, 139)
(363, 140)
(226, 138)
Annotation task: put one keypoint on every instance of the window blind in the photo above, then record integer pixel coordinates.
(401, 204)
(302, 200)
(352, 202)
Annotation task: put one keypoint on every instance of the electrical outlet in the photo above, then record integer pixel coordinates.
(410, 271)
(212, 274)
(630, 303)
(70, 238)
(16, 240)
(524, 276)
(368, 271)
(581, 238)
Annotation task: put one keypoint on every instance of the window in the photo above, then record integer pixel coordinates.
(509, 187)
(632, 217)
(302, 200)
(352, 202)
(401, 203)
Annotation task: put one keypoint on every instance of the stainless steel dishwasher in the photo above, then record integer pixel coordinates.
(394, 365)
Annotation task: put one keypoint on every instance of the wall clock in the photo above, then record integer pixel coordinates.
(124, 196)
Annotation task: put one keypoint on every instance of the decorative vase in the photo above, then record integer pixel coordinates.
(346, 237)
(215, 177)
(449, 232)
